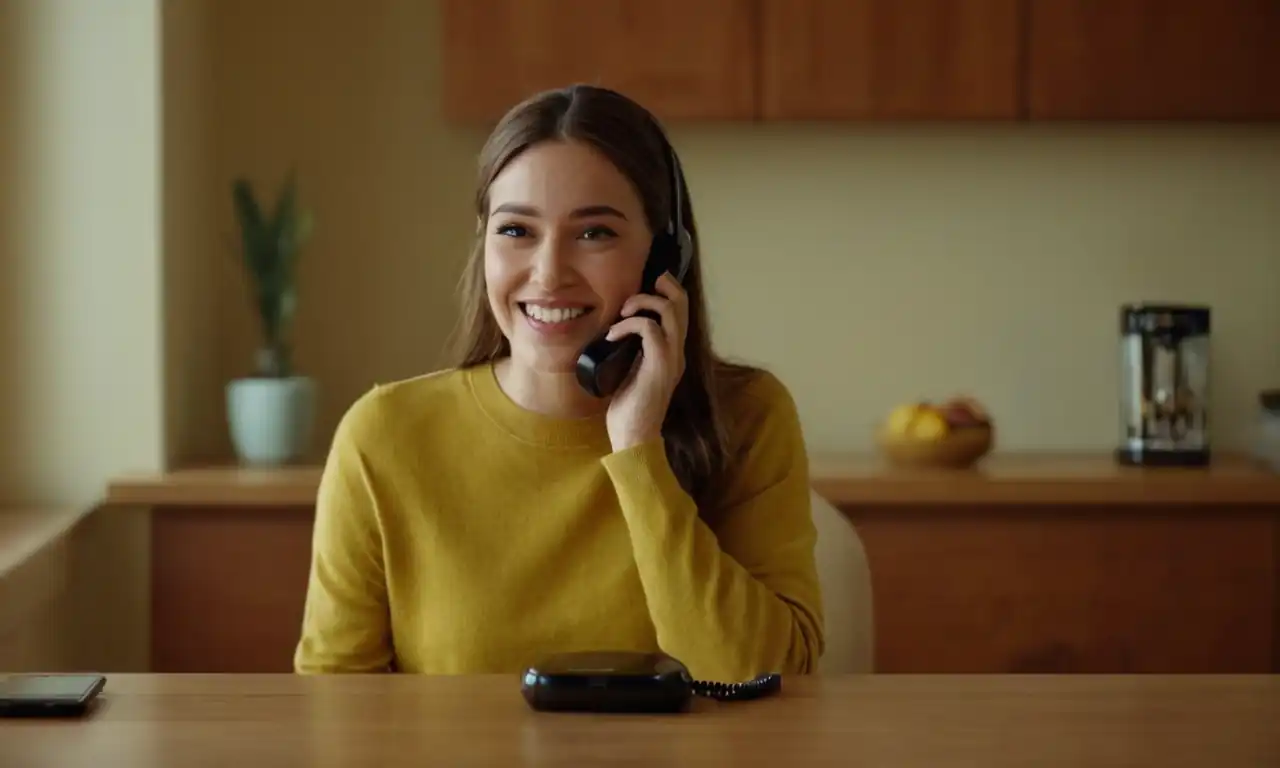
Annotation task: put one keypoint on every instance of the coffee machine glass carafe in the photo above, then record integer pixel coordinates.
(1164, 372)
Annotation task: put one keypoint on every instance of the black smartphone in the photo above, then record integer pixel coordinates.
(58, 695)
(604, 365)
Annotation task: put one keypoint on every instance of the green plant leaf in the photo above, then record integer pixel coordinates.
(253, 228)
(271, 247)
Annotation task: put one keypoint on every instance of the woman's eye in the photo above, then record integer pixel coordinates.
(511, 230)
(598, 233)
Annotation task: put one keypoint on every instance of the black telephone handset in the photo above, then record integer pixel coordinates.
(604, 365)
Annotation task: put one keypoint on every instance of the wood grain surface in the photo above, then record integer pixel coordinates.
(882, 720)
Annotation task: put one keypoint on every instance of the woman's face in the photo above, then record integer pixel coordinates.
(564, 247)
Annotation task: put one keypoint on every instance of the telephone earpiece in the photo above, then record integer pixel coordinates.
(604, 365)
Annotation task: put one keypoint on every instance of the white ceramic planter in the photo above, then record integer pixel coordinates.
(271, 420)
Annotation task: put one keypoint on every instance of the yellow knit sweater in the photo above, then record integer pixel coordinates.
(457, 532)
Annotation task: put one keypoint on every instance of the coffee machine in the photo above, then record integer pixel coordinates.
(1164, 385)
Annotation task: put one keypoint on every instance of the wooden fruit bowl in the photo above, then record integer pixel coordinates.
(960, 449)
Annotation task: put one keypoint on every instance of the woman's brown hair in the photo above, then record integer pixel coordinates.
(695, 433)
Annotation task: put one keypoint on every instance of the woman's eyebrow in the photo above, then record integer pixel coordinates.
(519, 209)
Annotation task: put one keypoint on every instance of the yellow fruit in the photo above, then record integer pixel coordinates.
(901, 418)
(929, 425)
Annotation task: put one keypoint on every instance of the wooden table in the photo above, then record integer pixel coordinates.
(886, 720)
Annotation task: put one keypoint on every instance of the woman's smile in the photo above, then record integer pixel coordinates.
(556, 319)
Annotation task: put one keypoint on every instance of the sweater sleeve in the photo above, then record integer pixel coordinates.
(741, 599)
(346, 625)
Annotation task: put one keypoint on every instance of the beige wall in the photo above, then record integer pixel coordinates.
(83, 318)
(80, 278)
(871, 266)
(867, 265)
(347, 93)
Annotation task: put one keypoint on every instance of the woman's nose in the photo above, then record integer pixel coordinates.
(552, 263)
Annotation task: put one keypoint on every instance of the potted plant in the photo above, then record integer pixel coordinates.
(271, 412)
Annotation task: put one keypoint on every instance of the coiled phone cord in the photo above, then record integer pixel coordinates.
(761, 686)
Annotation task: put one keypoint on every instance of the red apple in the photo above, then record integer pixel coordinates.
(964, 412)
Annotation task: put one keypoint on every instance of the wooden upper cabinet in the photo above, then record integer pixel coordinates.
(1154, 59)
(890, 59)
(682, 59)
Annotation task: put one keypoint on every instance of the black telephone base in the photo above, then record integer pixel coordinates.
(627, 682)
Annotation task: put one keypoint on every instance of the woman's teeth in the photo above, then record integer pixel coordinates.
(553, 314)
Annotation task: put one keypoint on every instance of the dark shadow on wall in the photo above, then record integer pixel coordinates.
(195, 431)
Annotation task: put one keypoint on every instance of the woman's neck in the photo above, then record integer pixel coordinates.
(549, 393)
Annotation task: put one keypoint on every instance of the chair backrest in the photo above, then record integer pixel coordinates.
(845, 577)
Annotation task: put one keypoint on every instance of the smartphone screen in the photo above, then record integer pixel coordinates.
(25, 688)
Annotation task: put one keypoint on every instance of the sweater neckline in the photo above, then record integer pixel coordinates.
(530, 426)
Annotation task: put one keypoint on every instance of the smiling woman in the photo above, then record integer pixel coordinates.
(480, 518)
(556, 277)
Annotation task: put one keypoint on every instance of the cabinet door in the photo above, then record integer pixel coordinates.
(1078, 590)
(890, 59)
(1154, 59)
(228, 588)
(681, 59)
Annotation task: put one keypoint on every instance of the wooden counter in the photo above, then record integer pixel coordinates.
(843, 479)
(1042, 479)
(220, 487)
(1025, 564)
(902, 721)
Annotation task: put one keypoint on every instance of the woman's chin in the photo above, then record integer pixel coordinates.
(545, 359)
